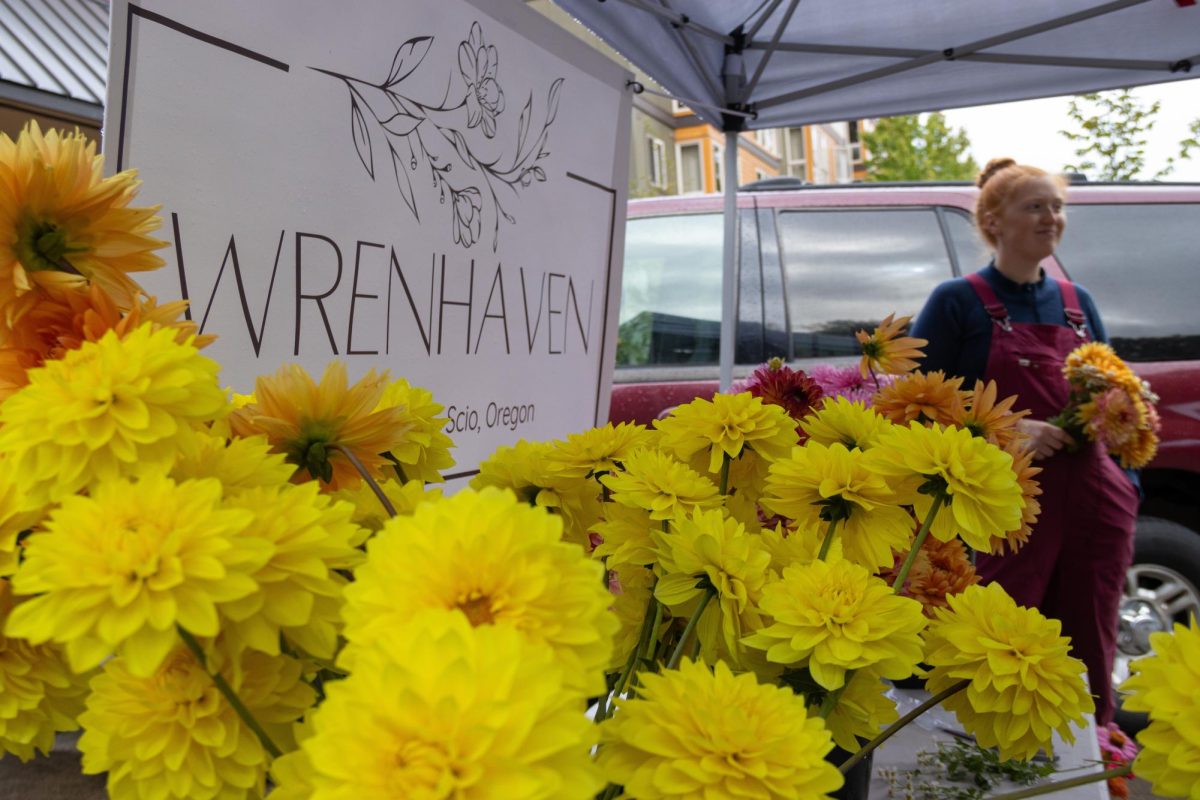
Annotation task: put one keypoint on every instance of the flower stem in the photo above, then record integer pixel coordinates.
(828, 540)
(902, 575)
(1055, 786)
(895, 727)
(874, 377)
(230, 695)
(366, 476)
(725, 462)
(691, 625)
(652, 611)
(648, 648)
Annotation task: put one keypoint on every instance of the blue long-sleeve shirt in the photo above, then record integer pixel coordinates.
(959, 329)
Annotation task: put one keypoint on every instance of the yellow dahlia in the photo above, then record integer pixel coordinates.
(528, 470)
(171, 735)
(713, 430)
(711, 552)
(1101, 357)
(820, 484)
(319, 427)
(834, 617)
(424, 450)
(846, 422)
(237, 463)
(39, 695)
(1139, 450)
(438, 708)
(623, 536)
(117, 571)
(862, 711)
(496, 561)
(798, 545)
(886, 350)
(1023, 683)
(925, 397)
(1023, 468)
(370, 514)
(16, 515)
(632, 587)
(989, 420)
(977, 477)
(299, 596)
(600, 450)
(63, 223)
(1167, 685)
(656, 482)
(693, 733)
(112, 408)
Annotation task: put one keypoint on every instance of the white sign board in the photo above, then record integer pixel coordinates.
(434, 187)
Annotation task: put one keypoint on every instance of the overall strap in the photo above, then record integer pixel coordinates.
(991, 303)
(1071, 307)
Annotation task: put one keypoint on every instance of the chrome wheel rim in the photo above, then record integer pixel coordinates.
(1155, 598)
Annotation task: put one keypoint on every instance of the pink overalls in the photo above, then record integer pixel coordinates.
(1073, 566)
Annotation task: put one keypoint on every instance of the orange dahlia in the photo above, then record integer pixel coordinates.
(323, 427)
(1030, 508)
(984, 417)
(923, 397)
(940, 569)
(886, 351)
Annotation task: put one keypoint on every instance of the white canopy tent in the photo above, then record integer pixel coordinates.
(748, 64)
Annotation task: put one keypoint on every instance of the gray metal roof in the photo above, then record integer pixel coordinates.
(54, 54)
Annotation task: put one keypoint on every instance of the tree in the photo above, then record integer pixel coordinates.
(1111, 136)
(909, 149)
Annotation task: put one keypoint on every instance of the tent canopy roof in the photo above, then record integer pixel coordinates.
(806, 61)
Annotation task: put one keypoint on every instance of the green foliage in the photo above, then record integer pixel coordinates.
(963, 770)
(911, 149)
(1110, 136)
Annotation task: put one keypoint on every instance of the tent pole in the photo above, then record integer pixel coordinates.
(729, 273)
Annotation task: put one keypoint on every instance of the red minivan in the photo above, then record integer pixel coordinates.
(815, 264)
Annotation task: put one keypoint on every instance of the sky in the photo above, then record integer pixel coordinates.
(1028, 130)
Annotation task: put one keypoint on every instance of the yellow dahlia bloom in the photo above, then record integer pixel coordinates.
(695, 733)
(863, 710)
(369, 513)
(424, 450)
(440, 709)
(632, 587)
(921, 396)
(16, 515)
(833, 617)
(63, 223)
(496, 561)
(171, 735)
(885, 350)
(818, 484)
(600, 450)
(710, 549)
(713, 430)
(849, 423)
(39, 695)
(237, 463)
(312, 422)
(299, 594)
(117, 570)
(625, 536)
(528, 469)
(1023, 683)
(1167, 685)
(982, 490)
(656, 482)
(116, 407)
(798, 545)
(1101, 357)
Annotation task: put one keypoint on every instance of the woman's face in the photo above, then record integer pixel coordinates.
(1031, 223)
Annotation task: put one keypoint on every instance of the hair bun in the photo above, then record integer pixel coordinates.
(993, 166)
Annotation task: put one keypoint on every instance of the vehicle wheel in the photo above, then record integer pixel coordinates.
(1161, 588)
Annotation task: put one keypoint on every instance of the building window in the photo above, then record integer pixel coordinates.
(691, 168)
(795, 156)
(855, 144)
(759, 175)
(718, 164)
(769, 140)
(657, 152)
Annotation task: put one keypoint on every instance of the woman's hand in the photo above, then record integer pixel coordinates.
(1044, 439)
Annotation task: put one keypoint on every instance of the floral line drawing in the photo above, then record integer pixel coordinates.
(435, 134)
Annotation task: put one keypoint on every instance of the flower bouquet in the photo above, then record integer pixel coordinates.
(1110, 405)
(242, 596)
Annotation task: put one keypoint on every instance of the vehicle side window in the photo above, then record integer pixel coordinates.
(845, 270)
(1141, 263)
(972, 252)
(671, 291)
